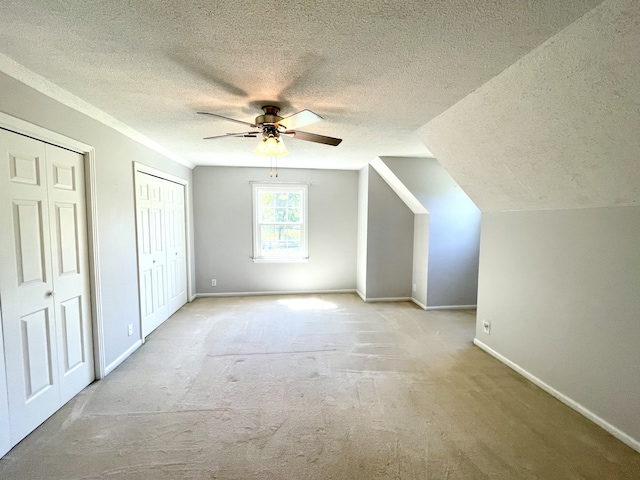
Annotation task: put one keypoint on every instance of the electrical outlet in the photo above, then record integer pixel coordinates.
(213, 282)
(130, 329)
(415, 287)
(486, 325)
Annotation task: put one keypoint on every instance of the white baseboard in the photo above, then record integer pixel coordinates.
(193, 297)
(420, 304)
(453, 307)
(616, 432)
(116, 363)
(388, 299)
(279, 292)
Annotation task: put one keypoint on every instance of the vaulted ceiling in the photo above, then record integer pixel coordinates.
(375, 70)
(558, 129)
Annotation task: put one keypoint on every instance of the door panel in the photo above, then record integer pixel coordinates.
(29, 241)
(66, 231)
(147, 294)
(145, 230)
(24, 168)
(74, 344)
(26, 285)
(64, 177)
(70, 270)
(159, 283)
(157, 211)
(36, 351)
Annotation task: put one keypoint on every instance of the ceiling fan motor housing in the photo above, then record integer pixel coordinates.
(270, 116)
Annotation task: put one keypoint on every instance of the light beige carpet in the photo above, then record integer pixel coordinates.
(316, 387)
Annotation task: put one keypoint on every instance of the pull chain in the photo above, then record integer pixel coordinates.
(271, 159)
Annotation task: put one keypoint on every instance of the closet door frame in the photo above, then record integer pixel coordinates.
(142, 168)
(22, 127)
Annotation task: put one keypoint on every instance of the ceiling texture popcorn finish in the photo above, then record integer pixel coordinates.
(558, 129)
(376, 71)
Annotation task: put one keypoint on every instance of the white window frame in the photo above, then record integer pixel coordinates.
(303, 256)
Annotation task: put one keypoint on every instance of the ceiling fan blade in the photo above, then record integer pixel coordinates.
(299, 119)
(227, 118)
(312, 137)
(241, 134)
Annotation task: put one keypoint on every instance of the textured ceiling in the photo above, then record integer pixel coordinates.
(557, 129)
(375, 70)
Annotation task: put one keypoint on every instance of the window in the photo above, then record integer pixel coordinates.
(280, 223)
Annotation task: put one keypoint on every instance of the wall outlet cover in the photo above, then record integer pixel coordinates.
(487, 327)
(213, 282)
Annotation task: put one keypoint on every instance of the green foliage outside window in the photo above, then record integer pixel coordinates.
(279, 217)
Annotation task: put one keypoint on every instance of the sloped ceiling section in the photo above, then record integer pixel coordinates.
(376, 70)
(559, 128)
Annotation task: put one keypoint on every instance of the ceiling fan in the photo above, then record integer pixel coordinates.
(271, 126)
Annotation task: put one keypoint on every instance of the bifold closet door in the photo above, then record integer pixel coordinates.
(44, 280)
(152, 257)
(176, 245)
(161, 249)
(70, 261)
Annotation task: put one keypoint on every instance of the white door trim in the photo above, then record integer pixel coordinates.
(141, 167)
(39, 133)
(5, 439)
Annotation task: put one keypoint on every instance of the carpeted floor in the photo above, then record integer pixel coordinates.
(316, 387)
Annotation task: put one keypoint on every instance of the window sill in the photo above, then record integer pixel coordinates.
(280, 260)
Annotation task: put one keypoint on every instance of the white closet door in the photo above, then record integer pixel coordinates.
(26, 284)
(152, 257)
(176, 245)
(44, 280)
(70, 274)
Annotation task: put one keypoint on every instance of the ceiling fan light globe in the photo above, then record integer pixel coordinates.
(271, 147)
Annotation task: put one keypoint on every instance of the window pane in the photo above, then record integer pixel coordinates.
(281, 199)
(281, 215)
(280, 240)
(292, 234)
(267, 215)
(267, 238)
(266, 198)
(294, 200)
(293, 215)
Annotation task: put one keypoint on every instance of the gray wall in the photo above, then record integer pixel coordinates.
(454, 230)
(561, 290)
(363, 219)
(115, 154)
(389, 242)
(223, 232)
(420, 275)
